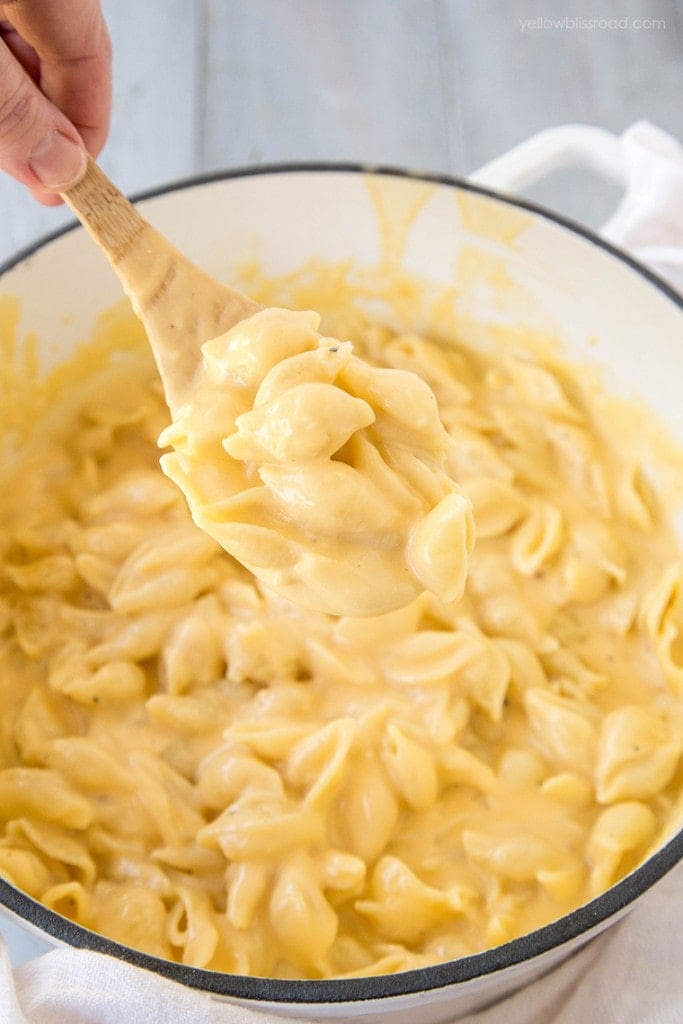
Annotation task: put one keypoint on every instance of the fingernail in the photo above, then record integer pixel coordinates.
(57, 161)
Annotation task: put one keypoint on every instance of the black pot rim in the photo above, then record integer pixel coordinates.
(571, 928)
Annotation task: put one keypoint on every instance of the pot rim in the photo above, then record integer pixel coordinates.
(568, 929)
(357, 167)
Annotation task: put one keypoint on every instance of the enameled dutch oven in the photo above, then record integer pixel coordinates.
(530, 268)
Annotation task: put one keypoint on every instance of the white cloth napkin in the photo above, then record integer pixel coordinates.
(632, 974)
(649, 221)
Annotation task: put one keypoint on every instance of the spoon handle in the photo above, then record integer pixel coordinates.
(105, 212)
(180, 306)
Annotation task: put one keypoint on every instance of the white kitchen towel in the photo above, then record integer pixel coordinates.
(632, 974)
(649, 221)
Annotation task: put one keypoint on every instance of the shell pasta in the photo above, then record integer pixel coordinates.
(322, 474)
(196, 767)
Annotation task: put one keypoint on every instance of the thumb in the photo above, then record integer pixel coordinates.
(38, 145)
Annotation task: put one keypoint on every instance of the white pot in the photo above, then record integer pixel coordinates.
(558, 277)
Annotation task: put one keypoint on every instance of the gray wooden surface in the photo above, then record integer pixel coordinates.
(443, 85)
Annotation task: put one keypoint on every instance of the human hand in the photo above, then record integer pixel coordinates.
(55, 91)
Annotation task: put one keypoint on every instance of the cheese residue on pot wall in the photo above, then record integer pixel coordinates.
(197, 768)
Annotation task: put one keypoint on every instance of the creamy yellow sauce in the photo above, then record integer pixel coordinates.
(196, 767)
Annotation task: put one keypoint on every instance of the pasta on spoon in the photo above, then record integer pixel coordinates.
(322, 475)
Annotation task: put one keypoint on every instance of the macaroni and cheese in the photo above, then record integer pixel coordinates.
(196, 767)
(320, 473)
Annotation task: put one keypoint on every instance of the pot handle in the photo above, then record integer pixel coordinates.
(568, 145)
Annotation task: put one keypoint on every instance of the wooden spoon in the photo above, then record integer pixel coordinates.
(406, 536)
(180, 306)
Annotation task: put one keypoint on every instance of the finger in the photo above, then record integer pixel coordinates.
(38, 145)
(71, 40)
(21, 50)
